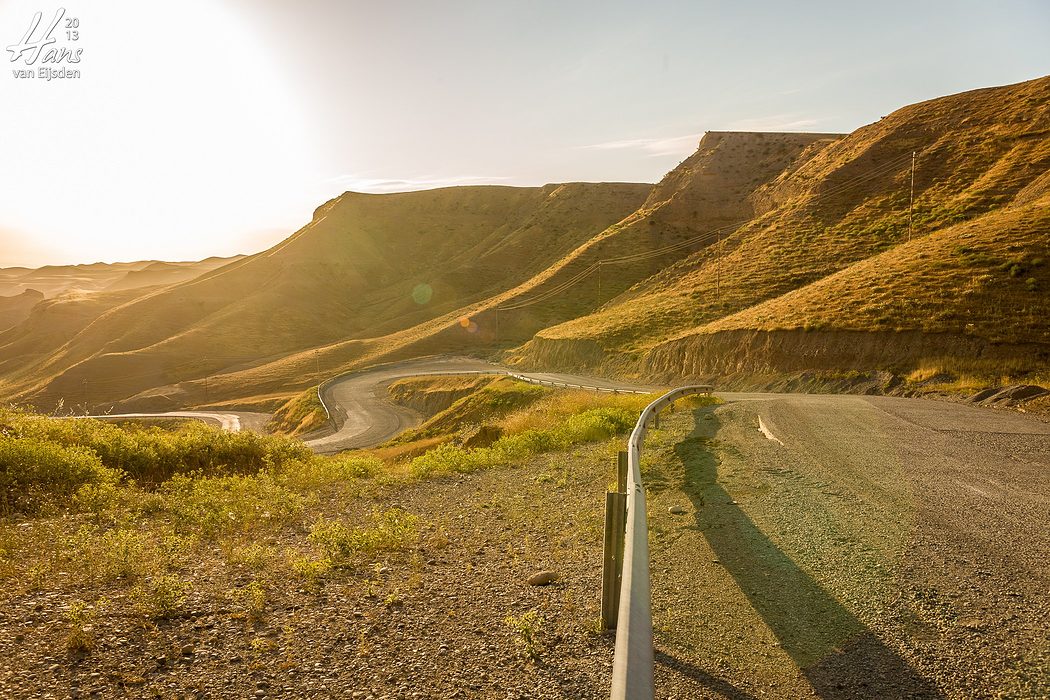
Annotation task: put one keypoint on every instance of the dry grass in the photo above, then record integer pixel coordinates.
(281, 514)
(365, 267)
(820, 261)
(299, 415)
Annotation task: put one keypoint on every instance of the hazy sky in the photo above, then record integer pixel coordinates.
(205, 127)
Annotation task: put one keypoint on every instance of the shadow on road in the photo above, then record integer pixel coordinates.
(702, 677)
(840, 657)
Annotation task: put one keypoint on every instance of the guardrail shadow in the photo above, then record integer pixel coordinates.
(702, 677)
(837, 653)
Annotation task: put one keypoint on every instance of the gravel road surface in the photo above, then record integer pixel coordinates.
(857, 547)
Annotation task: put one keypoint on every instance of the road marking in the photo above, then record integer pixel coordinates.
(976, 490)
(765, 431)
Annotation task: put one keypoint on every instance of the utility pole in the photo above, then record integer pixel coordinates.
(718, 271)
(599, 284)
(911, 200)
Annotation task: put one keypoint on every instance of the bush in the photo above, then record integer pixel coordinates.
(35, 474)
(589, 426)
(392, 529)
(322, 472)
(151, 455)
(217, 506)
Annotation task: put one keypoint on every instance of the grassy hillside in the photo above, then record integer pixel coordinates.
(759, 253)
(15, 308)
(729, 165)
(365, 266)
(54, 280)
(830, 250)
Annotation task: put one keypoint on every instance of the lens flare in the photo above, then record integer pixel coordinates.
(422, 293)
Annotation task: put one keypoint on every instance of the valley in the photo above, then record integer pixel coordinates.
(370, 461)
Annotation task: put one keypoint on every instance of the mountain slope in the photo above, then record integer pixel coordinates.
(976, 153)
(15, 309)
(760, 253)
(366, 265)
(729, 166)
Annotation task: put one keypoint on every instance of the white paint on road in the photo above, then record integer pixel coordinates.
(767, 432)
(974, 489)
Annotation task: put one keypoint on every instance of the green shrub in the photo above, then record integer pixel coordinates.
(530, 633)
(124, 553)
(160, 597)
(217, 506)
(35, 474)
(151, 455)
(588, 426)
(321, 472)
(392, 529)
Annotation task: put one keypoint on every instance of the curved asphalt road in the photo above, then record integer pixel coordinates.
(888, 547)
(363, 413)
(365, 416)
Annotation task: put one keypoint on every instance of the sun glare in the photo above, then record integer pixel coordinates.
(161, 146)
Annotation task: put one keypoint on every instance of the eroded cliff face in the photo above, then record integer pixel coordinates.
(783, 352)
(720, 181)
(787, 360)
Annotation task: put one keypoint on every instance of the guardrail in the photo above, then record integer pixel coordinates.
(632, 677)
(570, 385)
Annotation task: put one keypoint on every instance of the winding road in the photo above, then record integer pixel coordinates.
(361, 411)
(229, 421)
(881, 546)
(364, 415)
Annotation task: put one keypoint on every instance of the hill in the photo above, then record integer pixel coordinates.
(825, 276)
(729, 165)
(15, 308)
(760, 254)
(157, 274)
(53, 280)
(366, 265)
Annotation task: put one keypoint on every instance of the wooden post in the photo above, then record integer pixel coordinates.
(612, 566)
(621, 472)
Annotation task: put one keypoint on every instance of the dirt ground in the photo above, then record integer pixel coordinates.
(812, 568)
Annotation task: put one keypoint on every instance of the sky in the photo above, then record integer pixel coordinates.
(214, 127)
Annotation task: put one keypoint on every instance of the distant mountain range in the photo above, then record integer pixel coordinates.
(761, 259)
